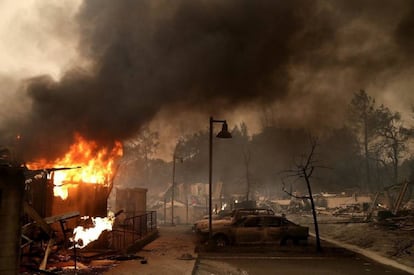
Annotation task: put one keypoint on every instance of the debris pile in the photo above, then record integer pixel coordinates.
(45, 253)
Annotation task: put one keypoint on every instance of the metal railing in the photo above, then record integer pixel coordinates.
(133, 229)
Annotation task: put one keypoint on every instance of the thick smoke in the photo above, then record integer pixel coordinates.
(148, 55)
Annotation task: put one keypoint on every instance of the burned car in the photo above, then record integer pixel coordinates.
(228, 217)
(222, 216)
(256, 229)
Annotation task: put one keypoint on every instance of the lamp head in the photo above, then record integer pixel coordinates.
(224, 133)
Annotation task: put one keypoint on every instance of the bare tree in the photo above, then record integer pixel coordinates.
(247, 159)
(304, 169)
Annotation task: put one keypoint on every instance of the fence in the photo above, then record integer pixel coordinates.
(133, 229)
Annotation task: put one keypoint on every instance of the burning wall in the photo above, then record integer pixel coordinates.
(89, 199)
(80, 181)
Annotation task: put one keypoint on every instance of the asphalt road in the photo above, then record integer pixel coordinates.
(286, 260)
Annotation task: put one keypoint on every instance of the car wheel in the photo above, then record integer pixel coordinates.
(220, 241)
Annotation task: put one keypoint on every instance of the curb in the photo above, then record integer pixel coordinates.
(196, 264)
(369, 254)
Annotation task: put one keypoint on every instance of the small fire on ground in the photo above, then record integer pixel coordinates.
(82, 236)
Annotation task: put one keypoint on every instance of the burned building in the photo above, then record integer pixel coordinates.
(11, 207)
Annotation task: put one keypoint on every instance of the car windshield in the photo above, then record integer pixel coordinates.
(224, 214)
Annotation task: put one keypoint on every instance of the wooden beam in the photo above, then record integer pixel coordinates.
(38, 219)
(58, 218)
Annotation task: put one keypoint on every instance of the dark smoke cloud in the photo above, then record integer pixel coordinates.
(148, 55)
(404, 34)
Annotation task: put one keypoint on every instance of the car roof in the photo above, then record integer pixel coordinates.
(254, 208)
(266, 215)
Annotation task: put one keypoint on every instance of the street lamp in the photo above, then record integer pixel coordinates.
(173, 187)
(224, 133)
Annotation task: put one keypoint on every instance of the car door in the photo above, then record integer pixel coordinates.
(250, 231)
(274, 229)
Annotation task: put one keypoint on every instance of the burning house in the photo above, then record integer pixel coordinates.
(80, 181)
(65, 202)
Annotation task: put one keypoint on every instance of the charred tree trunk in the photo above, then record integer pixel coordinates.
(366, 152)
(315, 221)
(247, 157)
(305, 170)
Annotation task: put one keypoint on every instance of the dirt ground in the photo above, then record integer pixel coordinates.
(172, 253)
(393, 243)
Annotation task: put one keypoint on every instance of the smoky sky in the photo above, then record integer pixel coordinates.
(205, 55)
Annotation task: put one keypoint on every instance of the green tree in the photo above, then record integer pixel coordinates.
(228, 159)
(363, 122)
(139, 151)
(340, 151)
(393, 138)
(194, 148)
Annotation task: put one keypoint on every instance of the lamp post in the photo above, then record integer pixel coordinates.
(224, 133)
(173, 187)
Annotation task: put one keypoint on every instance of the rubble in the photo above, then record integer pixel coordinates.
(56, 244)
(49, 254)
(392, 242)
(382, 223)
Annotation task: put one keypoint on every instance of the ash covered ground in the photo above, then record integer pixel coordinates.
(394, 241)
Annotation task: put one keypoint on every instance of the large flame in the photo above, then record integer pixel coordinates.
(91, 163)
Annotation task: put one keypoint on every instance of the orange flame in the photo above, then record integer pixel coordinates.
(83, 236)
(97, 165)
